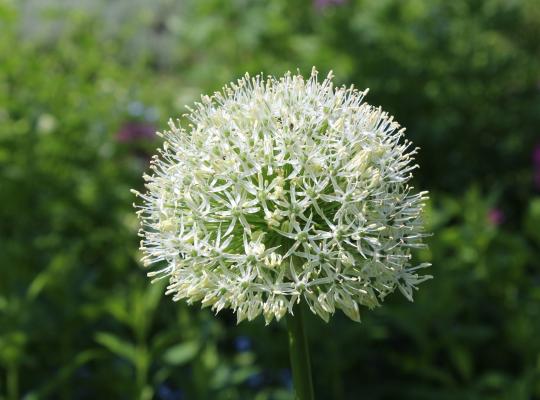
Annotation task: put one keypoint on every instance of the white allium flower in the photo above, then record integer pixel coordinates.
(280, 191)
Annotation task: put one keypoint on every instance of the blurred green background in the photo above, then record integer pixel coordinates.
(83, 86)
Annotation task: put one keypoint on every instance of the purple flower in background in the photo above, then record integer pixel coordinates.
(536, 166)
(135, 131)
(536, 156)
(496, 216)
(320, 4)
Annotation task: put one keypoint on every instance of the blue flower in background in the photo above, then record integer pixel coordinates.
(255, 381)
(136, 109)
(242, 343)
(285, 376)
(151, 114)
(164, 392)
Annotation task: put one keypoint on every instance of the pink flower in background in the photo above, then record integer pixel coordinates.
(496, 216)
(136, 131)
(320, 4)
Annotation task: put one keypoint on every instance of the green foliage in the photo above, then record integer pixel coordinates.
(78, 318)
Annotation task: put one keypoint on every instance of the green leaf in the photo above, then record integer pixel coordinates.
(532, 220)
(38, 284)
(117, 346)
(153, 295)
(462, 361)
(63, 375)
(12, 347)
(181, 353)
(116, 306)
(240, 375)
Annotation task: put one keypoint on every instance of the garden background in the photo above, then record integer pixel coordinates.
(83, 87)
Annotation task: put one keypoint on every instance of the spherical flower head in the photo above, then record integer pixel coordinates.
(281, 191)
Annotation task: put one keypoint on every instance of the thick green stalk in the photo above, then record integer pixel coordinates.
(299, 352)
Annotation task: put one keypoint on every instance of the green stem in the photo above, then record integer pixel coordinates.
(141, 371)
(12, 383)
(299, 352)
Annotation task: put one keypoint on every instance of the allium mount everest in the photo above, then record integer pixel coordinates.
(281, 191)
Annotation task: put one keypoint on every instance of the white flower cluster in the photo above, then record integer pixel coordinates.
(280, 191)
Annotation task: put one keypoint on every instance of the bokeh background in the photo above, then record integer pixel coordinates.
(85, 84)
